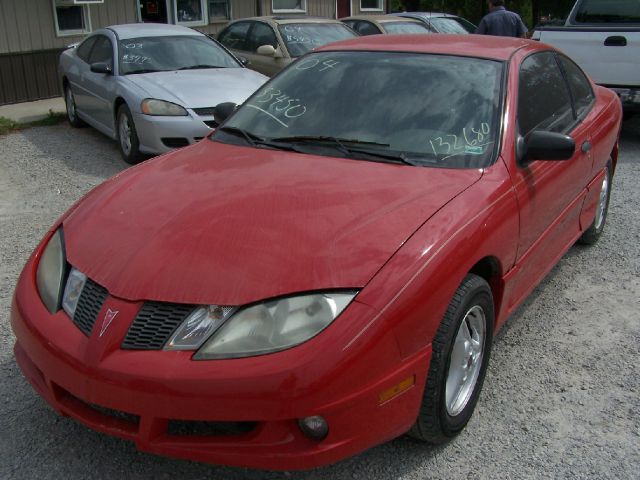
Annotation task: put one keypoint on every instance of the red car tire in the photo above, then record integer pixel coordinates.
(453, 387)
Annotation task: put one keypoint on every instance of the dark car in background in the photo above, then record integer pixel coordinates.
(439, 22)
(385, 24)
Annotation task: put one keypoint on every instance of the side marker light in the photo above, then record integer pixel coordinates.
(393, 392)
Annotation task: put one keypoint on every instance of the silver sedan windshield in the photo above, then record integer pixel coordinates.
(156, 54)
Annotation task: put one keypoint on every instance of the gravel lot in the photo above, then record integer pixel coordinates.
(561, 398)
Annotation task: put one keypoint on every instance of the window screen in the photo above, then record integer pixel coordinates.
(289, 5)
(219, 10)
(70, 18)
(370, 5)
(189, 11)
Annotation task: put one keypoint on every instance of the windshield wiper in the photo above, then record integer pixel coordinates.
(144, 70)
(255, 140)
(349, 147)
(369, 149)
(400, 157)
(251, 138)
(328, 138)
(198, 67)
(336, 142)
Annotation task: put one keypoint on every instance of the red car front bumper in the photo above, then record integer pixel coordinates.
(139, 395)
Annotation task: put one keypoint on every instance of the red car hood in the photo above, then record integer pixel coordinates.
(215, 223)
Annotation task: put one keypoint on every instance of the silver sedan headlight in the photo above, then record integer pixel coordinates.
(50, 272)
(266, 327)
(151, 106)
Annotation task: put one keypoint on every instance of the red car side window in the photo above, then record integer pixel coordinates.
(581, 91)
(544, 102)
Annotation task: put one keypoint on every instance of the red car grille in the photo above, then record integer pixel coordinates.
(89, 305)
(208, 429)
(114, 420)
(128, 424)
(152, 327)
(154, 324)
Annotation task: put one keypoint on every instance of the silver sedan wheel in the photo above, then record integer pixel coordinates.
(466, 360)
(602, 203)
(71, 105)
(124, 133)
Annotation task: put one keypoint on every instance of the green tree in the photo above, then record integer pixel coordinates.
(530, 10)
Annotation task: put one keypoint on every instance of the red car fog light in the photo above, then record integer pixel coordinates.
(315, 427)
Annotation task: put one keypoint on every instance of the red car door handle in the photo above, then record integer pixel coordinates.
(586, 146)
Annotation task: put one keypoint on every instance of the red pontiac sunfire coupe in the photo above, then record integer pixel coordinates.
(327, 271)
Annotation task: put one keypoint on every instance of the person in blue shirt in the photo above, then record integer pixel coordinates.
(500, 21)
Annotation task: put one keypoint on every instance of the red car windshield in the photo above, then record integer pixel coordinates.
(432, 110)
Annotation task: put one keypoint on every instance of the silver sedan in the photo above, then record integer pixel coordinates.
(151, 87)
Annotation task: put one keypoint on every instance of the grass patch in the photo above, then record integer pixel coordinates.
(7, 125)
(53, 118)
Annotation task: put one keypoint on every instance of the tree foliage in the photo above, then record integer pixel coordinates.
(530, 10)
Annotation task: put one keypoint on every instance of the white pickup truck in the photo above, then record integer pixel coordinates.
(603, 37)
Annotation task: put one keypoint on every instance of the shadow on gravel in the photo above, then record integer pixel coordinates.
(630, 135)
(83, 150)
(551, 278)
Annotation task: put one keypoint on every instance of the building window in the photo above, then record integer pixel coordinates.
(219, 10)
(70, 19)
(371, 5)
(289, 5)
(190, 12)
(153, 11)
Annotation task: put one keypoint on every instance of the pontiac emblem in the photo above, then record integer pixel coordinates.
(108, 318)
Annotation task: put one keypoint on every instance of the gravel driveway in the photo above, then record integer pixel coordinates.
(561, 398)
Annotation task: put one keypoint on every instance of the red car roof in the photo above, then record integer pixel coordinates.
(485, 46)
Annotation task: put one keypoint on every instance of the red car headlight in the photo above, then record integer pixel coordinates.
(269, 326)
(50, 272)
(198, 327)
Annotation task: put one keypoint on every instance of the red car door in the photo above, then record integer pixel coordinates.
(550, 193)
